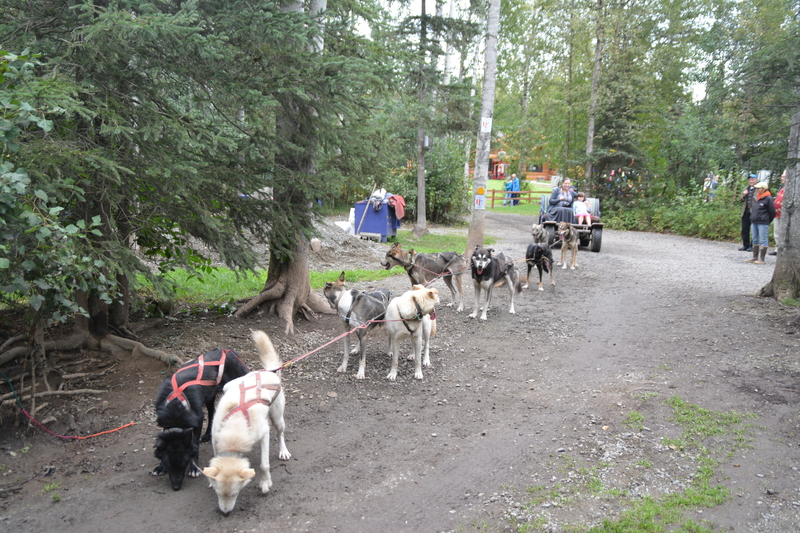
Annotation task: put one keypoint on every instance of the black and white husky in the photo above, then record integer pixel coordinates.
(356, 308)
(488, 270)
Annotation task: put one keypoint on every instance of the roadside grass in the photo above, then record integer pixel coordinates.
(730, 431)
(439, 242)
(529, 209)
(220, 288)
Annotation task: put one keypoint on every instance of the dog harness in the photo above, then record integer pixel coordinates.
(418, 317)
(201, 364)
(258, 387)
(383, 301)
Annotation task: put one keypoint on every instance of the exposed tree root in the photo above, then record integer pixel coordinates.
(110, 343)
(55, 393)
(287, 292)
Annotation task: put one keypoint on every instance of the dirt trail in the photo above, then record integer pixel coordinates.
(535, 399)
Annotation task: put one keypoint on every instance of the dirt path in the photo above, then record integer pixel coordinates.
(536, 400)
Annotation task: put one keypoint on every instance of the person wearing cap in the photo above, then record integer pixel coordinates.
(747, 198)
(762, 211)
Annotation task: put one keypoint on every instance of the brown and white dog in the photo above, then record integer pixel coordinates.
(412, 315)
(241, 421)
(569, 242)
(422, 269)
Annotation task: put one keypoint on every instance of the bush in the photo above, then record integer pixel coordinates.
(446, 196)
(686, 214)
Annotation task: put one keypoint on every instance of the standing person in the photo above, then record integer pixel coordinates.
(507, 187)
(762, 211)
(515, 188)
(707, 187)
(778, 203)
(747, 198)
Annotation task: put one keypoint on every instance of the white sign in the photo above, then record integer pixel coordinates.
(480, 201)
(486, 125)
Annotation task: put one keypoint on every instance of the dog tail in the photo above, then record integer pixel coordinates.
(266, 351)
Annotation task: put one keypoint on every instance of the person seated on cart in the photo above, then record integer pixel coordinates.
(580, 208)
(560, 204)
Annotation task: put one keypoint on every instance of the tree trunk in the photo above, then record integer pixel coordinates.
(287, 290)
(421, 227)
(785, 281)
(598, 59)
(478, 220)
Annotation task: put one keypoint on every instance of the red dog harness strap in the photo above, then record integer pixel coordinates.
(244, 404)
(177, 391)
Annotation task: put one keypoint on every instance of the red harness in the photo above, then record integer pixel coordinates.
(244, 404)
(177, 391)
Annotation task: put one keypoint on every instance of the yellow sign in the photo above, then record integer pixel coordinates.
(481, 190)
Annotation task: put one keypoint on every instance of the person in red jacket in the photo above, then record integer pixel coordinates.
(778, 202)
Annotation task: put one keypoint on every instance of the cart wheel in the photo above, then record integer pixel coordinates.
(597, 239)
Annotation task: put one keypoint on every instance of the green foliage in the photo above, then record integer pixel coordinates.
(446, 194)
(685, 214)
(45, 252)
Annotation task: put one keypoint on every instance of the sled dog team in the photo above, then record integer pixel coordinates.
(251, 401)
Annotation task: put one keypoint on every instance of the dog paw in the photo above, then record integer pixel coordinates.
(473, 315)
(158, 471)
(525, 286)
(418, 375)
(541, 288)
(410, 357)
(392, 376)
(193, 471)
(572, 268)
(205, 437)
(483, 317)
(460, 308)
(564, 267)
(265, 486)
(284, 455)
(360, 375)
(342, 368)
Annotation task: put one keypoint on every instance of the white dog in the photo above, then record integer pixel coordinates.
(242, 419)
(409, 316)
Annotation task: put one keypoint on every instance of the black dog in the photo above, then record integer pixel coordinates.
(540, 256)
(179, 410)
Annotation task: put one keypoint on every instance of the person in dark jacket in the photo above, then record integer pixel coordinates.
(747, 198)
(762, 211)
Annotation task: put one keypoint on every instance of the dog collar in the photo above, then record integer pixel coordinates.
(236, 455)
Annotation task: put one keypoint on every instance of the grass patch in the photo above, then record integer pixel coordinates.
(634, 420)
(725, 431)
(431, 243)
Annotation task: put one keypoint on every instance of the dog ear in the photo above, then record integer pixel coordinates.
(341, 277)
(395, 246)
(491, 251)
(211, 472)
(247, 473)
(418, 287)
(328, 284)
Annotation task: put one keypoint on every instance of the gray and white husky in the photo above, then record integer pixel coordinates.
(356, 308)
